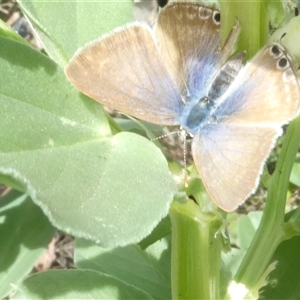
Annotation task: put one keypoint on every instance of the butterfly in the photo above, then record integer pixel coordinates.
(178, 73)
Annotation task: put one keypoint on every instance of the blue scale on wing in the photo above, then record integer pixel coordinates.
(197, 115)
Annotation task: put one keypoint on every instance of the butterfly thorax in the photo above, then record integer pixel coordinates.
(197, 115)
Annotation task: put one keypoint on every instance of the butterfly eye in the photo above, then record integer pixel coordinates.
(282, 63)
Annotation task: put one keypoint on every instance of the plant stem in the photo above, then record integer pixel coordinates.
(196, 252)
(269, 233)
(253, 21)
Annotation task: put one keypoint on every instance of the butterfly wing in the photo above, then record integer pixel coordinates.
(229, 159)
(230, 153)
(265, 92)
(189, 38)
(124, 71)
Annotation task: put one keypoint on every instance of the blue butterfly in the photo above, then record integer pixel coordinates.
(179, 74)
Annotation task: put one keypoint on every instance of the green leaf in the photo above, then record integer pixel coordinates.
(246, 228)
(162, 230)
(147, 269)
(25, 233)
(276, 12)
(284, 280)
(288, 35)
(295, 174)
(64, 26)
(57, 144)
(76, 284)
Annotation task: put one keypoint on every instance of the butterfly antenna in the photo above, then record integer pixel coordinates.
(164, 135)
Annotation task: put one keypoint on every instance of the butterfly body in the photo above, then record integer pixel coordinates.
(179, 74)
(200, 112)
(196, 115)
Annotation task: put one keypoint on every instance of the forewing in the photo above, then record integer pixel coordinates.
(124, 71)
(189, 39)
(230, 158)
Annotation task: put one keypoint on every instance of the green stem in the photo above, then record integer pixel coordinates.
(270, 233)
(196, 252)
(253, 21)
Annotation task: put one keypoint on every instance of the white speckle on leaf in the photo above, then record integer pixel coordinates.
(67, 121)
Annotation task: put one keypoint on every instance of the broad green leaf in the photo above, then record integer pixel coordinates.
(133, 126)
(25, 233)
(147, 269)
(64, 26)
(162, 230)
(57, 144)
(76, 284)
(284, 280)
